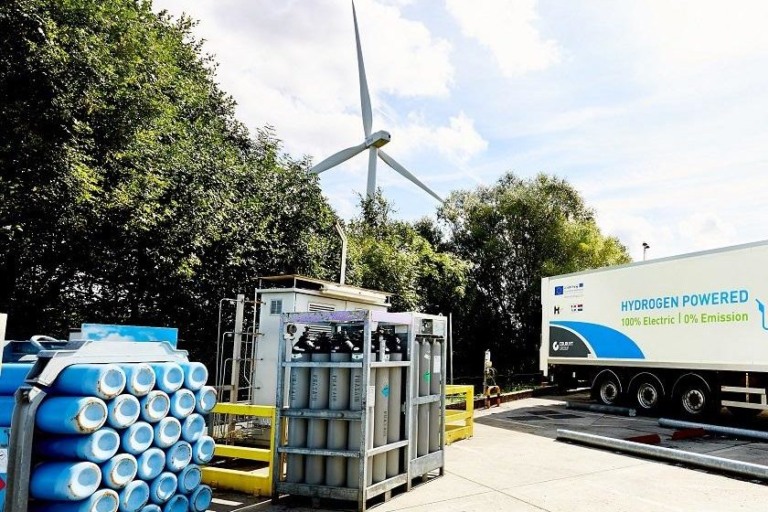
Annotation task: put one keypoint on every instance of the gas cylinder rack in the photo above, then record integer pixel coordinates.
(352, 376)
(428, 342)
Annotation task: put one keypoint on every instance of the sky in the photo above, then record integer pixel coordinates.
(655, 111)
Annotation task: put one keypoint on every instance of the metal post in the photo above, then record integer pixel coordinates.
(237, 348)
(450, 343)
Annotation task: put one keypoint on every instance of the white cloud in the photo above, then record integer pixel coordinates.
(458, 141)
(687, 32)
(507, 29)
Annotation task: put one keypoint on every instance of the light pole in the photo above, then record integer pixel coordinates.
(645, 249)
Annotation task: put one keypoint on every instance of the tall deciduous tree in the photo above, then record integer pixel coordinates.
(514, 233)
(128, 190)
(392, 255)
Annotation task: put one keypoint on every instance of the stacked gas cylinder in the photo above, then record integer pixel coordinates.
(338, 388)
(127, 437)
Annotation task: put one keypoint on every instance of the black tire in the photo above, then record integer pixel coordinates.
(647, 394)
(607, 389)
(695, 400)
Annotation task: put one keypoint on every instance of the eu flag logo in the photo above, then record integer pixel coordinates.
(558, 290)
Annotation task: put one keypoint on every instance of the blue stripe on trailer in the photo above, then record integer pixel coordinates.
(605, 341)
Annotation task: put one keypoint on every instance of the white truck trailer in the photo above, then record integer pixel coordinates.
(689, 331)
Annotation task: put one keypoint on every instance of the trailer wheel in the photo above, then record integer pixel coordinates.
(648, 393)
(607, 389)
(695, 399)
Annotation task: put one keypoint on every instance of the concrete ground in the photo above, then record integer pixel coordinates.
(511, 469)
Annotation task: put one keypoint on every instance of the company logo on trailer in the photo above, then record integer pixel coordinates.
(562, 346)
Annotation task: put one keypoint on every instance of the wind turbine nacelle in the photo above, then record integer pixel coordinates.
(378, 139)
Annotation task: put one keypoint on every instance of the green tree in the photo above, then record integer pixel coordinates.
(128, 190)
(515, 233)
(391, 255)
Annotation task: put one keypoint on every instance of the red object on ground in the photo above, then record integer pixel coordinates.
(688, 433)
(645, 439)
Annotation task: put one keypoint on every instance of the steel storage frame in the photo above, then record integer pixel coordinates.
(413, 466)
(42, 374)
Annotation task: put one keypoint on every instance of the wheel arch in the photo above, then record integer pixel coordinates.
(604, 373)
(689, 376)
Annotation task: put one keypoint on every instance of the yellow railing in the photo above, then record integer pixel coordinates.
(258, 482)
(459, 423)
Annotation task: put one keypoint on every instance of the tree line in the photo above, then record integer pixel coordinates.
(130, 193)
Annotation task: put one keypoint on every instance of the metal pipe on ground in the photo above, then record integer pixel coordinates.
(747, 469)
(717, 429)
(608, 409)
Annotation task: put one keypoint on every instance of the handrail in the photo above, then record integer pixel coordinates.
(248, 482)
(459, 423)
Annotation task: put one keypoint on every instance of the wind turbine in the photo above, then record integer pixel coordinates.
(373, 141)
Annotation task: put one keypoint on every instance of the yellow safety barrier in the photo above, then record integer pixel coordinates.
(258, 482)
(459, 423)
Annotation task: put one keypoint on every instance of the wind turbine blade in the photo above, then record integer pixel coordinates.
(402, 170)
(336, 159)
(365, 98)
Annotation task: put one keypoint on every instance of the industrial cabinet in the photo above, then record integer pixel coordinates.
(363, 387)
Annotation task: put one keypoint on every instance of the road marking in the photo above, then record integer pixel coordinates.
(219, 501)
